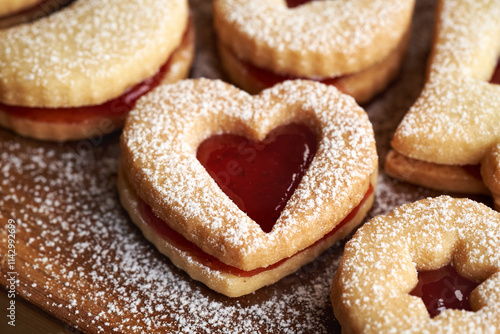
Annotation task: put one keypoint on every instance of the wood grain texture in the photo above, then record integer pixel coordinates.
(81, 260)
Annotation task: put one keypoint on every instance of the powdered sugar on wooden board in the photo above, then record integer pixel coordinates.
(101, 273)
(82, 260)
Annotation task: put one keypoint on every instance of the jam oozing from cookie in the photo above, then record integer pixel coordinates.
(268, 78)
(495, 78)
(113, 110)
(296, 3)
(117, 107)
(181, 243)
(260, 177)
(443, 289)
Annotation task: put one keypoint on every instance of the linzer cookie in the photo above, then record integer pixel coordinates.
(432, 266)
(239, 190)
(358, 46)
(454, 124)
(76, 73)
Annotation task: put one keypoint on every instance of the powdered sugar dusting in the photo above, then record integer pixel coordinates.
(93, 269)
(101, 272)
(176, 184)
(87, 50)
(322, 38)
(425, 235)
(456, 118)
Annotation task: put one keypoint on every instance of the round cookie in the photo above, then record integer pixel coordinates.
(370, 291)
(320, 40)
(88, 54)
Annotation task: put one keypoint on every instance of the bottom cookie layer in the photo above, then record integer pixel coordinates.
(461, 179)
(362, 85)
(224, 282)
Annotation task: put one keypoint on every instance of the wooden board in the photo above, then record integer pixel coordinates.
(81, 260)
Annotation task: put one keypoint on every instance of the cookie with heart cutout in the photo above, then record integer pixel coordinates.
(76, 73)
(357, 46)
(443, 138)
(194, 177)
(431, 266)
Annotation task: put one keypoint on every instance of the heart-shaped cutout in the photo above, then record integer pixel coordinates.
(260, 177)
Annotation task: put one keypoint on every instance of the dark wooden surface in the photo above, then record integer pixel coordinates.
(81, 264)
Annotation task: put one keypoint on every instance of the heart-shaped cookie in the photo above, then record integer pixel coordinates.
(356, 45)
(159, 167)
(455, 121)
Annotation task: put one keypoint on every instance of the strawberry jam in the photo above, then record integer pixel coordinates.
(296, 3)
(444, 289)
(260, 177)
(180, 242)
(115, 109)
(268, 78)
(118, 107)
(495, 78)
(473, 170)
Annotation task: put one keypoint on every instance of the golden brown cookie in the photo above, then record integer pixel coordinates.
(87, 56)
(455, 120)
(160, 170)
(356, 45)
(373, 288)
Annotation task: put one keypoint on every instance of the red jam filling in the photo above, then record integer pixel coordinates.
(178, 241)
(269, 78)
(473, 170)
(444, 289)
(495, 78)
(260, 177)
(114, 109)
(296, 3)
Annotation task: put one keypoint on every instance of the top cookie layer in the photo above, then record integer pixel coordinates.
(89, 52)
(456, 118)
(318, 39)
(160, 142)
